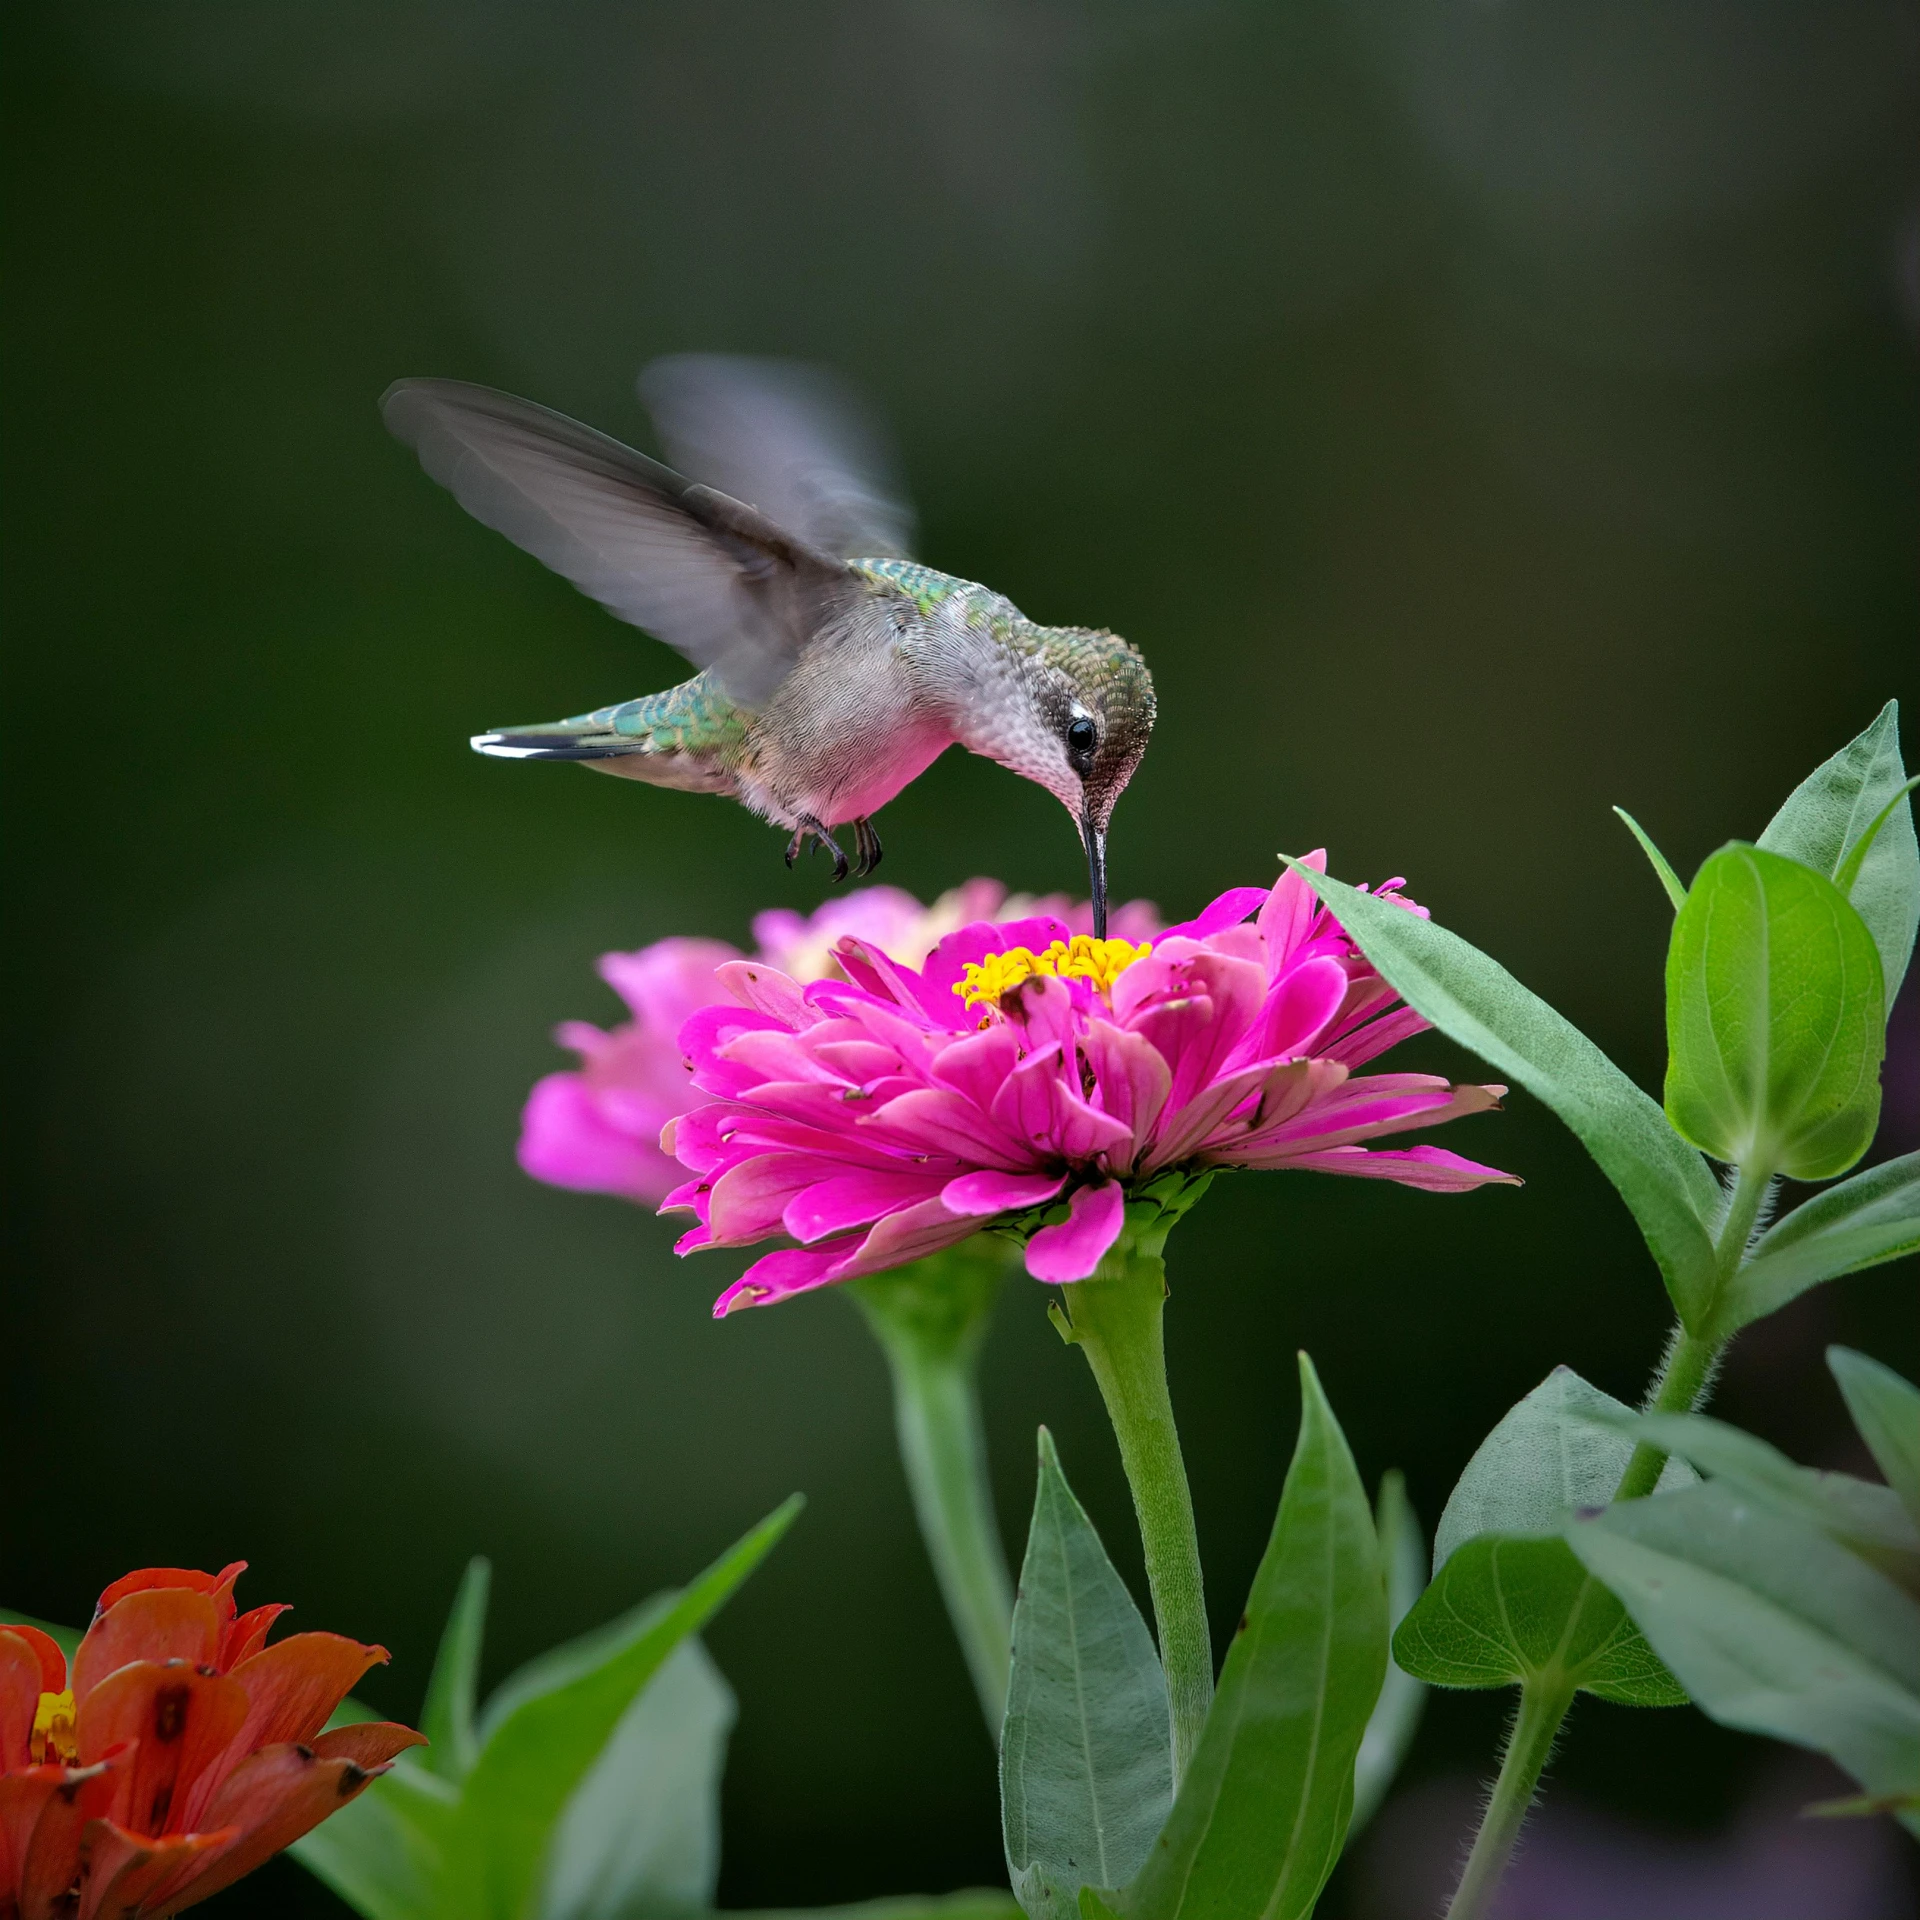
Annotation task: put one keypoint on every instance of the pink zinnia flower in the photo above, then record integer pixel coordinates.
(877, 1118)
(597, 1129)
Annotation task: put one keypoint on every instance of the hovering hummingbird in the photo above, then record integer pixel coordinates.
(833, 669)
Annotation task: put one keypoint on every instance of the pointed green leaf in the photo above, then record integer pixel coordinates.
(1867, 1519)
(1886, 1409)
(1829, 814)
(1867, 1220)
(1771, 1625)
(1508, 1603)
(1264, 1808)
(1510, 1608)
(546, 1727)
(447, 1717)
(641, 1834)
(384, 1854)
(1775, 1019)
(1545, 1456)
(976, 1903)
(1396, 1714)
(1474, 1000)
(1668, 878)
(1086, 1758)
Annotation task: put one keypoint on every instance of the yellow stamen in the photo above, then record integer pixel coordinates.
(1084, 958)
(54, 1741)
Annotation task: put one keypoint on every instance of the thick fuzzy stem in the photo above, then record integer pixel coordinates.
(1116, 1323)
(1543, 1705)
(930, 1318)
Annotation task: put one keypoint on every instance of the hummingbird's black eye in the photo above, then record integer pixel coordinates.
(1080, 738)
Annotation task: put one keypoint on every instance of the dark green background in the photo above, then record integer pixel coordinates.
(1479, 416)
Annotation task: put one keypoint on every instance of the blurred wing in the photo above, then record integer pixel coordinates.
(795, 440)
(708, 575)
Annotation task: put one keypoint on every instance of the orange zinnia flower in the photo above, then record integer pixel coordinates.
(178, 1753)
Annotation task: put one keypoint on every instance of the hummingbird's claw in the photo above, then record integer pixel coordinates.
(812, 829)
(867, 847)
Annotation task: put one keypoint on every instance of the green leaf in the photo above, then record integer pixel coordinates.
(1872, 1218)
(1828, 815)
(1508, 1602)
(1667, 1186)
(545, 1728)
(1771, 1625)
(1507, 1609)
(1867, 1519)
(1396, 1714)
(1668, 878)
(1547, 1455)
(447, 1717)
(1775, 1018)
(384, 1854)
(976, 1903)
(1264, 1808)
(641, 1834)
(1086, 1758)
(1886, 1409)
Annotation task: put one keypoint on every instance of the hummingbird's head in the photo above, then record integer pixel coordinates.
(1090, 709)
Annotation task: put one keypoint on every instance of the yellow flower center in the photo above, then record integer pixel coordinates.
(1083, 958)
(54, 1741)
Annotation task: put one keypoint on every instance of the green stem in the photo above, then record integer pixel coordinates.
(1679, 1387)
(1543, 1705)
(1116, 1323)
(930, 1319)
(1681, 1383)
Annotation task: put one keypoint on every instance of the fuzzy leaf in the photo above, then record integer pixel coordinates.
(1772, 1625)
(641, 1834)
(1264, 1808)
(1086, 1758)
(447, 1718)
(1775, 1018)
(1862, 1222)
(545, 1728)
(1886, 1409)
(1508, 1602)
(1474, 1000)
(1827, 816)
(1658, 860)
(1396, 1714)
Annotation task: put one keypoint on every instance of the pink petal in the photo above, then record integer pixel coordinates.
(1431, 1168)
(932, 1119)
(669, 980)
(854, 1200)
(778, 1276)
(566, 1141)
(750, 1200)
(991, 1192)
(1130, 1077)
(977, 1067)
(1289, 913)
(767, 990)
(1302, 1002)
(1073, 1249)
(1228, 910)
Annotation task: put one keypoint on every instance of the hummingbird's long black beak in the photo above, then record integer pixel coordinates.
(1095, 840)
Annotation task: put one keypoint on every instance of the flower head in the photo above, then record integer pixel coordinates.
(597, 1128)
(176, 1753)
(876, 1117)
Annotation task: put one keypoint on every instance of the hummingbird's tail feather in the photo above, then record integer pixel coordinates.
(559, 741)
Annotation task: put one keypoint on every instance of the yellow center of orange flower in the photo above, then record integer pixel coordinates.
(54, 1741)
(1084, 958)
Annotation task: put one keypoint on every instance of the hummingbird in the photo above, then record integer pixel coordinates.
(833, 668)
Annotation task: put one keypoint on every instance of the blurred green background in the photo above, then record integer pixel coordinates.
(1478, 416)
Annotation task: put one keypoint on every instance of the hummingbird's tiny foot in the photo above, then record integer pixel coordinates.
(867, 847)
(810, 827)
(795, 844)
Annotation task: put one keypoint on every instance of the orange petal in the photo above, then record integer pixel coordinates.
(218, 1585)
(272, 1797)
(53, 1663)
(22, 1681)
(50, 1862)
(23, 1798)
(152, 1624)
(294, 1687)
(367, 1743)
(122, 1870)
(245, 1636)
(184, 1719)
